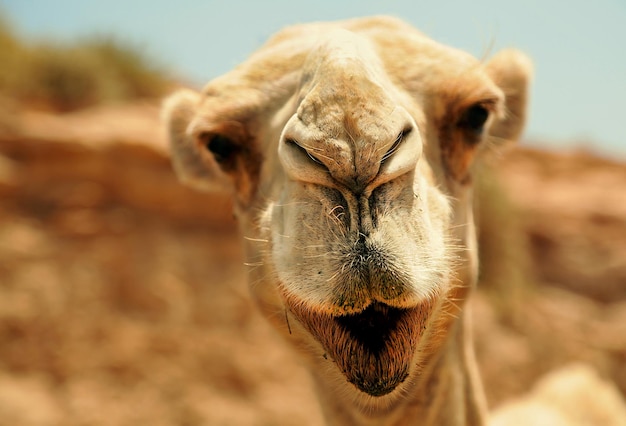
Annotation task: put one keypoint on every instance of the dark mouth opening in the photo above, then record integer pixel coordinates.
(375, 348)
(373, 326)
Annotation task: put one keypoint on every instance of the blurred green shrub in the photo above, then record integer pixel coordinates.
(505, 272)
(71, 76)
(10, 53)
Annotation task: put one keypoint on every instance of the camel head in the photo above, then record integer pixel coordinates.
(349, 150)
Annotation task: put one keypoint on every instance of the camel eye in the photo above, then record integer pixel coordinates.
(474, 119)
(222, 148)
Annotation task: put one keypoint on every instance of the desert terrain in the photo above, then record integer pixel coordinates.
(123, 298)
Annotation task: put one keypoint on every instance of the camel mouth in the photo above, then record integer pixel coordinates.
(373, 326)
(374, 334)
(375, 348)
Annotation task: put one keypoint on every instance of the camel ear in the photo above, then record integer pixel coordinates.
(193, 162)
(511, 70)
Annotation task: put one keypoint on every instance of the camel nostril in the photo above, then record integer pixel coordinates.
(400, 159)
(293, 143)
(399, 139)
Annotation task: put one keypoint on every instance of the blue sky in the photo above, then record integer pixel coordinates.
(578, 46)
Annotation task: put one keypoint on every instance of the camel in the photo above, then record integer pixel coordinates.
(349, 150)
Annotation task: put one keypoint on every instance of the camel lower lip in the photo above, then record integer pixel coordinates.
(373, 348)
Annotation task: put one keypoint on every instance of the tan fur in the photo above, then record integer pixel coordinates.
(574, 395)
(351, 177)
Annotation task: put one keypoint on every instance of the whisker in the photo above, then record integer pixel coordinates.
(257, 240)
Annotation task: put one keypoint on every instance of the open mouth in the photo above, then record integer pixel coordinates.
(372, 327)
(373, 348)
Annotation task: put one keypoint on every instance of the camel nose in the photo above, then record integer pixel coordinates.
(359, 167)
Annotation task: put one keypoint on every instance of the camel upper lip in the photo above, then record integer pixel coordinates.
(374, 348)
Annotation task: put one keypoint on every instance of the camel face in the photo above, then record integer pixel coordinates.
(349, 150)
(358, 233)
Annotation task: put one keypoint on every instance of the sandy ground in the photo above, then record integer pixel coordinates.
(123, 297)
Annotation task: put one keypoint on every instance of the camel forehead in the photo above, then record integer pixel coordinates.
(341, 66)
(344, 89)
